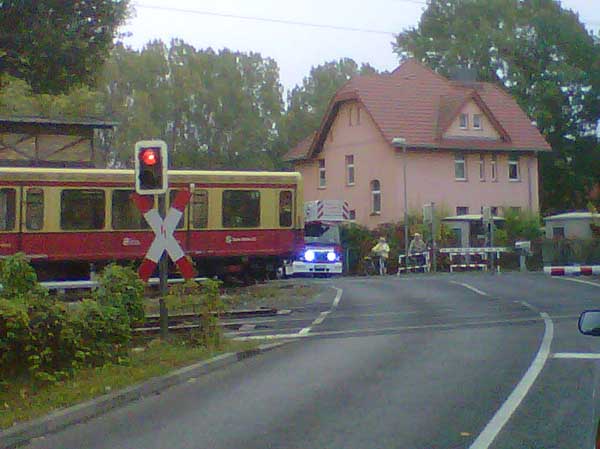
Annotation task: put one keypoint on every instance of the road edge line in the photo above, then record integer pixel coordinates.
(579, 281)
(510, 405)
(470, 287)
(22, 433)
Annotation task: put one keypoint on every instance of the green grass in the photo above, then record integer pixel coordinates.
(20, 400)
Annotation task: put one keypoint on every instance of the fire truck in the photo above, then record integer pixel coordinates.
(321, 253)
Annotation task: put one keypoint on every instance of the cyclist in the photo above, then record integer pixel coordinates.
(382, 251)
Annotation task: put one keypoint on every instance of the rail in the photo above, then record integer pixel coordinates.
(89, 284)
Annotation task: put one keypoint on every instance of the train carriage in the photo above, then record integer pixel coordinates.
(69, 220)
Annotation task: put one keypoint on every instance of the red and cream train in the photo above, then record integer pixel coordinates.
(69, 220)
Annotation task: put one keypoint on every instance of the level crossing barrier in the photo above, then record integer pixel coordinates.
(585, 270)
(472, 258)
(416, 262)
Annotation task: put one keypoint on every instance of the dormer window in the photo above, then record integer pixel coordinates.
(464, 121)
(476, 121)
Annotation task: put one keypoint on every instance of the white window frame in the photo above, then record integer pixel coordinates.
(477, 124)
(375, 193)
(322, 174)
(494, 167)
(350, 169)
(481, 167)
(460, 159)
(513, 161)
(466, 120)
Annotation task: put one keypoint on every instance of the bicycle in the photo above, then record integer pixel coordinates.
(374, 265)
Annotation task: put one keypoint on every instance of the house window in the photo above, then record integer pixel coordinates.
(7, 209)
(462, 210)
(481, 167)
(513, 168)
(358, 115)
(515, 209)
(494, 165)
(476, 121)
(464, 121)
(494, 211)
(460, 167)
(322, 175)
(558, 232)
(349, 115)
(352, 215)
(350, 170)
(375, 197)
(34, 214)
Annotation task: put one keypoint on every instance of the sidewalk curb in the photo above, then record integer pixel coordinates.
(23, 433)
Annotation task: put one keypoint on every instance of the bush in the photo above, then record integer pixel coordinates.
(103, 333)
(14, 336)
(18, 278)
(121, 287)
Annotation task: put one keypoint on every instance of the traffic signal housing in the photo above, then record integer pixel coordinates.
(151, 163)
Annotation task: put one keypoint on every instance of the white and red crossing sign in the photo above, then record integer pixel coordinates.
(163, 230)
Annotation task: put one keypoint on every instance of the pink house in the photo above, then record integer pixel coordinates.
(468, 145)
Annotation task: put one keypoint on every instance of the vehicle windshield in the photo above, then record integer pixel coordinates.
(321, 233)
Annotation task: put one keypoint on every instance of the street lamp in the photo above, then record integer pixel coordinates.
(400, 142)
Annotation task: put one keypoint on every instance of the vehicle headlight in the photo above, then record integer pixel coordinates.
(309, 255)
(331, 256)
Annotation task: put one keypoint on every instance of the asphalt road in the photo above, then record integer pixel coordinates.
(420, 362)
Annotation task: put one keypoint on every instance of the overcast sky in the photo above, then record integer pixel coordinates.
(296, 48)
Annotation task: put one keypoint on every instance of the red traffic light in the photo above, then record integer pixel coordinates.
(149, 156)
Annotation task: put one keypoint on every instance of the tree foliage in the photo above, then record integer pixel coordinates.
(56, 44)
(543, 55)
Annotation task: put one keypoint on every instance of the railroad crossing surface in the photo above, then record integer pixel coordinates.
(416, 362)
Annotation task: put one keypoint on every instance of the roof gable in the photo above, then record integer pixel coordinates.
(415, 102)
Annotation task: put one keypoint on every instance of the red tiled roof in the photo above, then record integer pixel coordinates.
(300, 151)
(414, 102)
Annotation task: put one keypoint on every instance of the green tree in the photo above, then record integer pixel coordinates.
(54, 45)
(543, 55)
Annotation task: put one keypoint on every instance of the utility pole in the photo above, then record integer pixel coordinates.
(163, 270)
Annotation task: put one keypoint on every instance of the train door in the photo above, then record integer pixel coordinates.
(9, 221)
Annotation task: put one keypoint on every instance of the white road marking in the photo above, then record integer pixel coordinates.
(322, 316)
(501, 417)
(577, 355)
(580, 281)
(470, 287)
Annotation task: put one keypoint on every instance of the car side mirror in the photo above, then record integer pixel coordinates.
(589, 323)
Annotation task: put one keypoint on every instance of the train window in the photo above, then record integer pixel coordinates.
(82, 209)
(200, 209)
(241, 208)
(34, 213)
(7, 209)
(172, 194)
(285, 208)
(125, 215)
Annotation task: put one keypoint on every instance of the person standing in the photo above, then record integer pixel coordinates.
(382, 251)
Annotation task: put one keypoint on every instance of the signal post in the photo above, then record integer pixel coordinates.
(151, 178)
